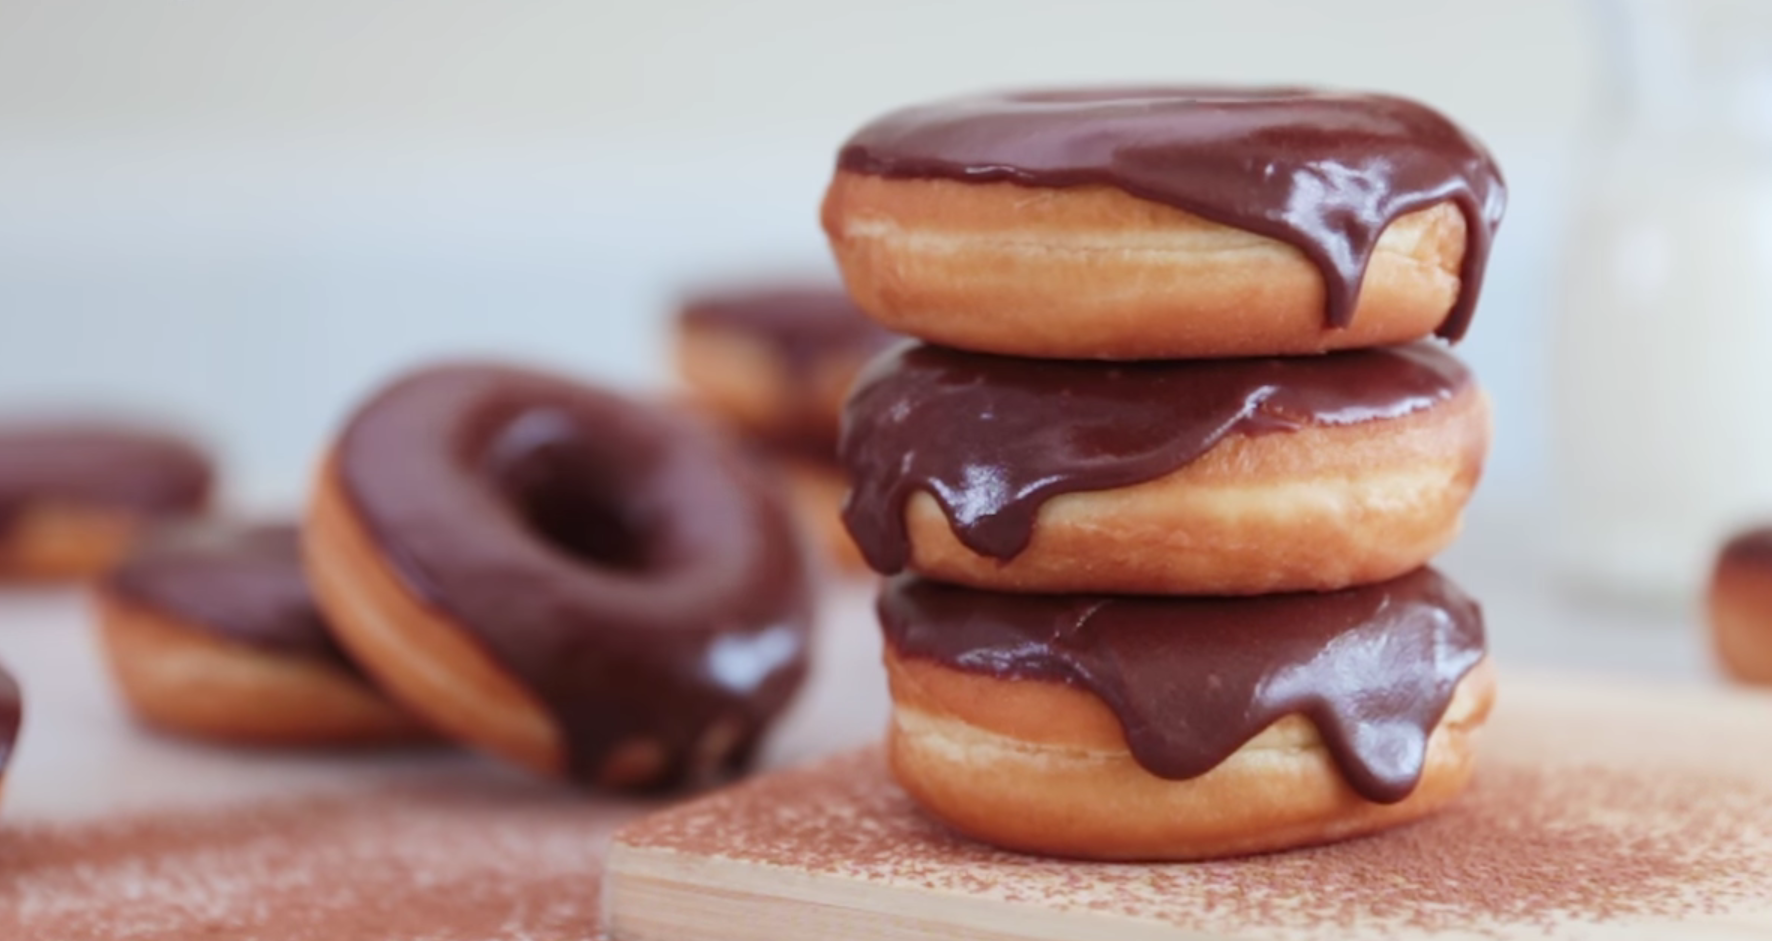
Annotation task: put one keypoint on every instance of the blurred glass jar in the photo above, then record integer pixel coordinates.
(1663, 386)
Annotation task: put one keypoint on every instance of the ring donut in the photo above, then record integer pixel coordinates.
(1165, 223)
(211, 632)
(1182, 728)
(587, 586)
(72, 496)
(776, 363)
(1741, 606)
(1190, 477)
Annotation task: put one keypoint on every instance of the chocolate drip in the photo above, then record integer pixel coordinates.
(99, 465)
(11, 716)
(1191, 680)
(993, 438)
(622, 561)
(1323, 172)
(244, 583)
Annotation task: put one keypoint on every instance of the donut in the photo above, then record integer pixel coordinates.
(73, 495)
(1740, 606)
(1162, 223)
(591, 587)
(11, 717)
(776, 361)
(211, 632)
(1112, 727)
(1213, 477)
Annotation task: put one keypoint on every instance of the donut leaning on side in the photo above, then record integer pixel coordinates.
(210, 631)
(1170, 729)
(588, 586)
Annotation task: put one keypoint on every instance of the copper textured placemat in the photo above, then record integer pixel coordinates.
(398, 863)
(1600, 811)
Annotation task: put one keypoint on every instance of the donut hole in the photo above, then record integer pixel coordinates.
(577, 497)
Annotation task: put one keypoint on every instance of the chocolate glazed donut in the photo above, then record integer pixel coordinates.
(585, 585)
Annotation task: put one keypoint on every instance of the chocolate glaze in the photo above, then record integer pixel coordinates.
(802, 323)
(992, 438)
(99, 465)
(1321, 171)
(625, 562)
(11, 716)
(1193, 679)
(243, 583)
(1750, 547)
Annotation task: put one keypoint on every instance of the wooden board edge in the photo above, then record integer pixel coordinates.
(665, 895)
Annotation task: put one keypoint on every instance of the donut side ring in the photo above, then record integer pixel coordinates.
(1317, 509)
(1043, 767)
(1091, 272)
(415, 652)
(182, 679)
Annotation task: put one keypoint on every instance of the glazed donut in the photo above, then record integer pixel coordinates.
(1740, 605)
(211, 632)
(73, 495)
(1213, 477)
(587, 586)
(1172, 729)
(1165, 223)
(776, 361)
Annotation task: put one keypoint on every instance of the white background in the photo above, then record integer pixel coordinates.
(243, 215)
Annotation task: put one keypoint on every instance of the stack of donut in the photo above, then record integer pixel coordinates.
(774, 362)
(1157, 492)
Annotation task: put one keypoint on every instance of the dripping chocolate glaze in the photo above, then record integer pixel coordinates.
(624, 562)
(1193, 679)
(11, 715)
(99, 465)
(241, 582)
(993, 438)
(1321, 171)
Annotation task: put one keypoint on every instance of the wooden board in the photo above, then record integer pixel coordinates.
(1600, 811)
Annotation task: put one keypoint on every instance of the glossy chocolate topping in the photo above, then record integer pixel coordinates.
(99, 465)
(1193, 679)
(241, 582)
(992, 438)
(623, 561)
(11, 716)
(1321, 171)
